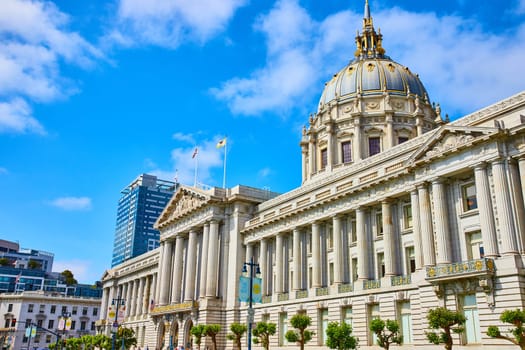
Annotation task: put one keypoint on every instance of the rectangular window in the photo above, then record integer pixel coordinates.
(405, 321)
(470, 201)
(355, 275)
(42, 308)
(330, 236)
(95, 311)
(30, 308)
(323, 315)
(48, 338)
(74, 311)
(283, 328)
(73, 324)
(53, 309)
(331, 273)
(7, 323)
(10, 308)
(374, 145)
(380, 265)
(64, 309)
(346, 152)
(379, 223)
(410, 260)
(324, 158)
(346, 314)
(373, 313)
(82, 325)
(50, 324)
(353, 226)
(401, 139)
(40, 323)
(407, 216)
(310, 273)
(472, 329)
(92, 325)
(84, 311)
(475, 248)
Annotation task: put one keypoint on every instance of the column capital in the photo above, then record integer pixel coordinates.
(438, 180)
(479, 166)
(387, 200)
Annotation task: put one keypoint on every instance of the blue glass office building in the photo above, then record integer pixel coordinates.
(139, 207)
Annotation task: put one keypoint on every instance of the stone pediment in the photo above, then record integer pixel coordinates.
(184, 201)
(450, 139)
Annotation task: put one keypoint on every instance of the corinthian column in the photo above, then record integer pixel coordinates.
(177, 270)
(264, 266)
(279, 263)
(441, 220)
(416, 229)
(191, 266)
(316, 255)
(165, 275)
(213, 255)
(486, 215)
(388, 236)
(297, 259)
(427, 236)
(204, 260)
(509, 244)
(338, 250)
(362, 245)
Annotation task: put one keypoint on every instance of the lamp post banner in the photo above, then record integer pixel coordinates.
(244, 288)
(257, 290)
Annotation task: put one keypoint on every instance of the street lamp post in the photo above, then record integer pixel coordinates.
(116, 303)
(251, 313)
(65, 316)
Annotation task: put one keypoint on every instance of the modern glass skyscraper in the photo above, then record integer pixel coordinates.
(139, 207)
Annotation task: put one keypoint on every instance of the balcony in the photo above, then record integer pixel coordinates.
(464, 269)
(300, 294)
(400, 280)
(371, 284)
(345, 288)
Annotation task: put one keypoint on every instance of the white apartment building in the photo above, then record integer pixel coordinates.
(19, 310)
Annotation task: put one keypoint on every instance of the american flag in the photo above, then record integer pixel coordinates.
(195, 152)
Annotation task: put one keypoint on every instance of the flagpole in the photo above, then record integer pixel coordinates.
(224, 174)
(196, 166)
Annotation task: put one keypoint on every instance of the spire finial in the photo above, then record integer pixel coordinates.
(367, 10)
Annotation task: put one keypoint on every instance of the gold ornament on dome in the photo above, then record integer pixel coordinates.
(370, 67)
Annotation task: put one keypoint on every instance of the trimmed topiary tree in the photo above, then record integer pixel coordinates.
(238, 330)
(448, 322)
(515, 335)
(211, 331)
(339, 336)
(300, 322)
(198, 332)
(262, 332)
(386, 332)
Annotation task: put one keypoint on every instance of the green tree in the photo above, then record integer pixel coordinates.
(301, 335)
(211, 331)
(68, 277)
(5, 262)
(515, 335)
(73, 344)
(238, 330)
(339, 336)
(386, 332)
(448, 322)
(33, 264)
(262, 333)
(198, 332)
(126, 336)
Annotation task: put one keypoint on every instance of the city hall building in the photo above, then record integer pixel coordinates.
(399, 211)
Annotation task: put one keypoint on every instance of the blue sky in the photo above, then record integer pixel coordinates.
(93, 93)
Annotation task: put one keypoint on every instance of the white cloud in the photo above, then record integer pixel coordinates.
(15, 117)
(179, 136)
(264, 172)
(183, 165)
(81, 269)
(521, 7)
(34, 41)
(463, 67)
(167, 23)
(72, 203)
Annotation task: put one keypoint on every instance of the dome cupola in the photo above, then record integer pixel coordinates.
(369, 106)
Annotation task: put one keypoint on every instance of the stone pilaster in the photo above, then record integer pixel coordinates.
(213, 255)
(338, 249)
(297, 258)
(263, 254)
(279, 263)
(178, 268)
(165, 275)
(388, 239)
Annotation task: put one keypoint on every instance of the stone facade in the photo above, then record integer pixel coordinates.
(400, 211)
